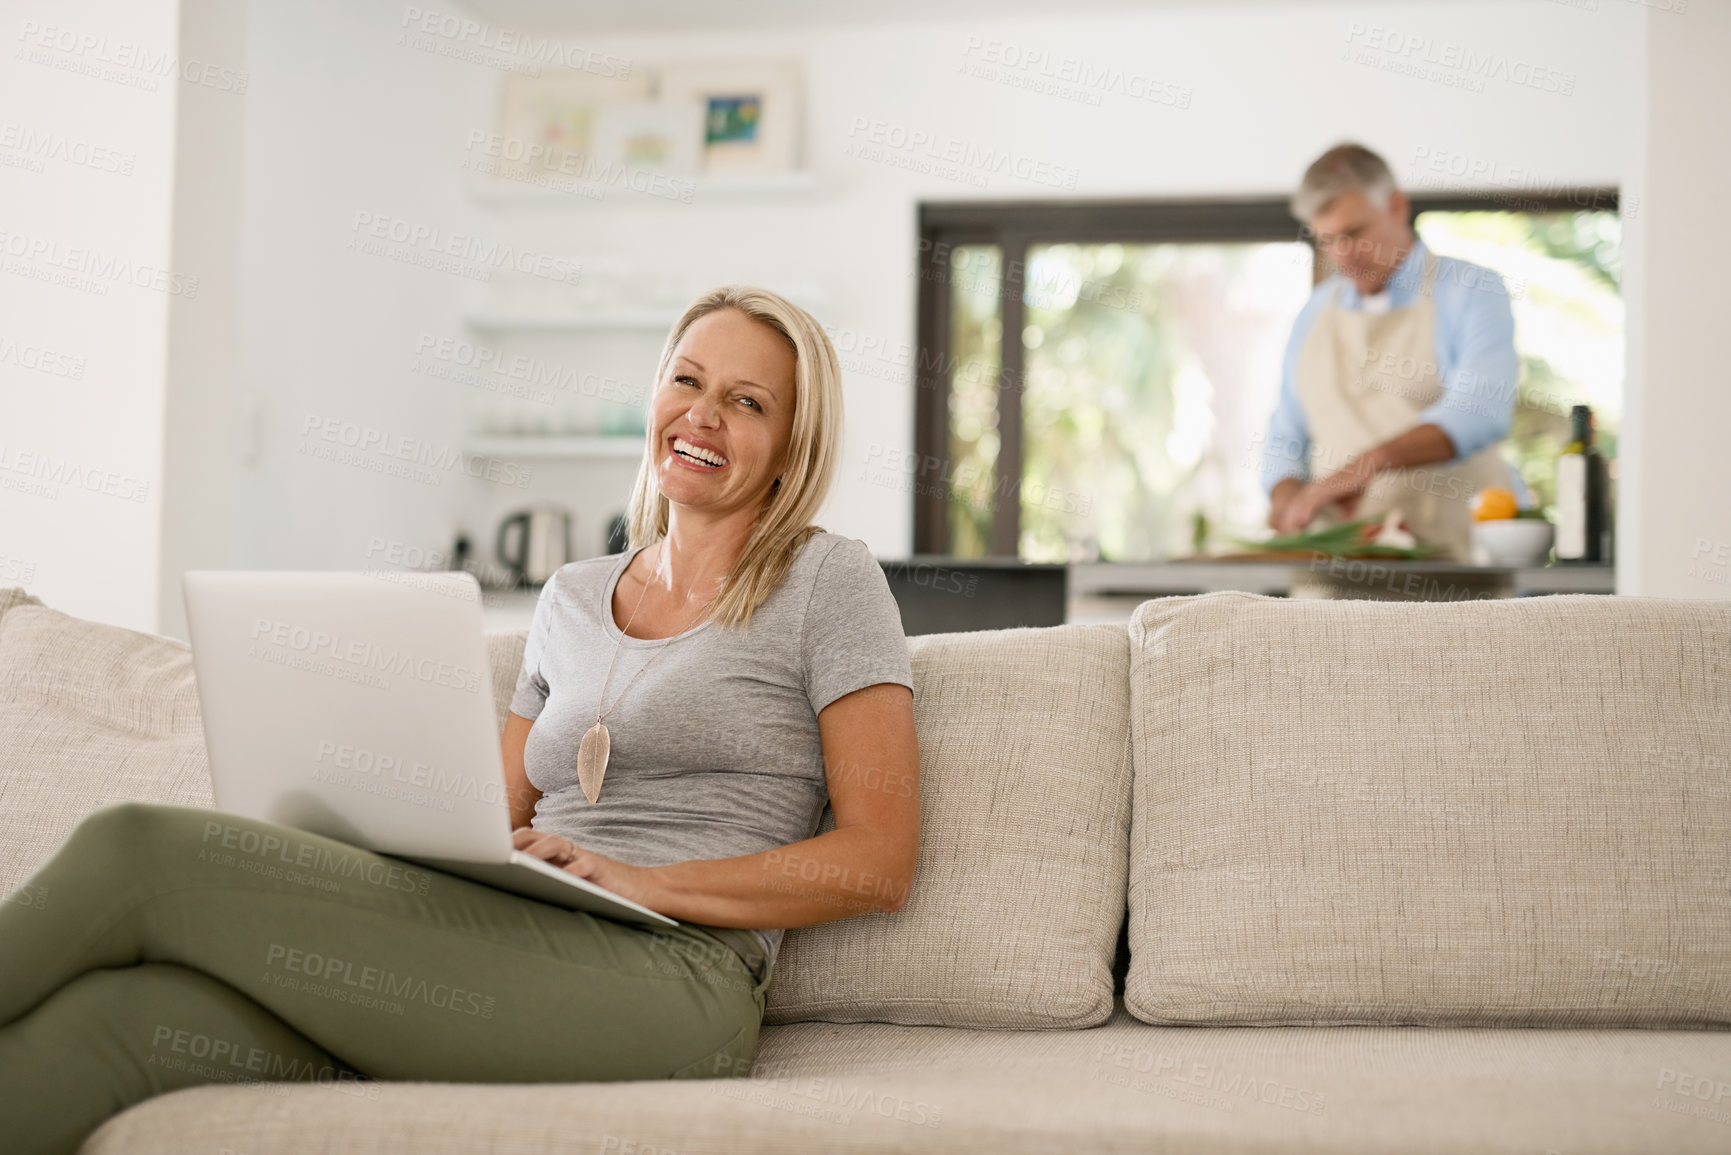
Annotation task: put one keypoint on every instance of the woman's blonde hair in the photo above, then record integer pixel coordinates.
(785, 522)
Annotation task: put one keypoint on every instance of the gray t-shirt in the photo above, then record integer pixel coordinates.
(715, 747)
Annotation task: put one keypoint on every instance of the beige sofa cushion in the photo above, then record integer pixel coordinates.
(505, 657)
(89, 714)
(13, 596)
(1125, 1088)
(1492, 812)
(1014, 910)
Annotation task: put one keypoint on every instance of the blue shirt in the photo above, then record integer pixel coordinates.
(1475, 357)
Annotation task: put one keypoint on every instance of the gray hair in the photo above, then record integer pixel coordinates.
(1341, 169)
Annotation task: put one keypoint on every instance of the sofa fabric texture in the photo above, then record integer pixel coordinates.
(1013, 914)
(1481, 813)
(89, 714)
(1125, 1088)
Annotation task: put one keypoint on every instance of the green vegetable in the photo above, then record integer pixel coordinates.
(1340, 539)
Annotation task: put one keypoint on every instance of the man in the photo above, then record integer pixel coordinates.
(1399, 378)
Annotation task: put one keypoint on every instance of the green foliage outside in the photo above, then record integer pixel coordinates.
(1142, 362)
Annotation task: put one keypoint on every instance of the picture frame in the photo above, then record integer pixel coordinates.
(752, 115)
(562, 114)
(661, 136)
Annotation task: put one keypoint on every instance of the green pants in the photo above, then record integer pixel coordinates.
(166, 947)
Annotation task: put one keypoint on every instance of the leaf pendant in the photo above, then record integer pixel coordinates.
(592, 760)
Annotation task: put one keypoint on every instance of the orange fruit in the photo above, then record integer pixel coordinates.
(1495, 505)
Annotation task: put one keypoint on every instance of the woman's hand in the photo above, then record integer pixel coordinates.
(623, 879)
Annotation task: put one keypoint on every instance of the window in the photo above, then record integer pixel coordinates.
(1122, 416)
(1565, 274)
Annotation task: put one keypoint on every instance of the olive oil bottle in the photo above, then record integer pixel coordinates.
(1583, 506)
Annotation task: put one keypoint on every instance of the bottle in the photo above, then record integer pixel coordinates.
(1583, 527)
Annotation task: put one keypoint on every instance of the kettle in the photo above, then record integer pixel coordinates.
(534, 542)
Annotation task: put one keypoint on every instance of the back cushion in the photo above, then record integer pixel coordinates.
(1014, 909)
(16, 596)
(1495, 812)
(89, 714)
(505, 656)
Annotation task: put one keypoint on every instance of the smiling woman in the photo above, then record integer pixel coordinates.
(739, 454)
(724, 753)
(785, 684)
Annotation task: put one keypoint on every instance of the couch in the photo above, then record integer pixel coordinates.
(1249, 875)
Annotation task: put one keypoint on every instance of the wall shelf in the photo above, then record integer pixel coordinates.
(559, 190)
(598, 320)
(575, 448)
(654, 320)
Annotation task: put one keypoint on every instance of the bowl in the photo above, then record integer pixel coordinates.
(1515, 541)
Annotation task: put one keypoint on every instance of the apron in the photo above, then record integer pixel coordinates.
(1363, 378)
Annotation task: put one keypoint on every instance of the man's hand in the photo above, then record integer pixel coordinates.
(633, 882)
(1279, 498)
(1421, 445)
(1345, 487)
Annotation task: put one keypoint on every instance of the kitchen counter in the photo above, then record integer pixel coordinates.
(1159, 579)
(1110, 591)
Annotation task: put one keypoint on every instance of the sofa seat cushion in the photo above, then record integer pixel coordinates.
(1126, 1086)
(1501, 813)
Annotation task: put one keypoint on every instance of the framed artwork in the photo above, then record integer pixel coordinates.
(664, 136)
(751, 112)
(562, 114)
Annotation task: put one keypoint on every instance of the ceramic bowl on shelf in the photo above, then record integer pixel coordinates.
(1515, 542)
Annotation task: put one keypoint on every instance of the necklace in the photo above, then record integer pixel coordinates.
(593, 751)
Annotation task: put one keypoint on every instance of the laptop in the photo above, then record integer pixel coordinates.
(359, 706)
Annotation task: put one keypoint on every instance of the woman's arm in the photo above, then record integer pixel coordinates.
(872, 765)
(522, 794)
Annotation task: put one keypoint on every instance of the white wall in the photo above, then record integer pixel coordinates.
(352, 121)
(346, 114)
(86, 172)
(1676, 504)
(345, 120)
(199, 428)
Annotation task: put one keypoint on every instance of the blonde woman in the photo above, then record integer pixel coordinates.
(683, 712)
